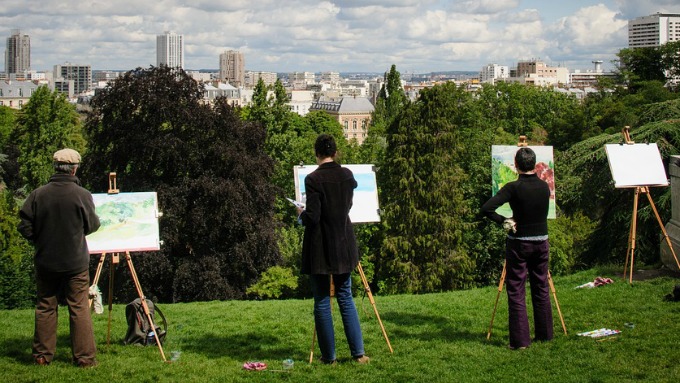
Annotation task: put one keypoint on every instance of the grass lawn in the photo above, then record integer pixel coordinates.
(436, 338)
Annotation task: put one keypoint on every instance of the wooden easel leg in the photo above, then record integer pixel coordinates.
(633, 228)
(663, 229)
(147, 312)
(98, 273)
(112, 266)
(375, 308)
(495, 306)
(559, 311)
(311, 350)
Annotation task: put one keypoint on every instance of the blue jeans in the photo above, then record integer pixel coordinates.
(324, 320)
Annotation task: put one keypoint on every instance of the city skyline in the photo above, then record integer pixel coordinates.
(339, 35)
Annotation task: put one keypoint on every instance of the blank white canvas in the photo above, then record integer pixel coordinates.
(635, 165)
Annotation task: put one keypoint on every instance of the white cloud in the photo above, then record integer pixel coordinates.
(343, 35)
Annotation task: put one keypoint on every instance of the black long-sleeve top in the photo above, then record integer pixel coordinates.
(329, 245)
(529, 198)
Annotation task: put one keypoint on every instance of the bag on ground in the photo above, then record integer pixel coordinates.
(139, 328)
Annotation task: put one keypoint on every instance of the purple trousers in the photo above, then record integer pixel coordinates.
(528, 258)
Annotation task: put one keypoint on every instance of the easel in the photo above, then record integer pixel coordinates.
(367, 288)
(523, 142)
(630, 252)
(115, 259)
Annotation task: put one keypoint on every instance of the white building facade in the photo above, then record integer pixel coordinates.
(253, 77)
(170, 50)
(492, 72)
(653, 30)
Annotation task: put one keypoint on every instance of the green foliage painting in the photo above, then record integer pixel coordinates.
(129, 222)
(503, 171)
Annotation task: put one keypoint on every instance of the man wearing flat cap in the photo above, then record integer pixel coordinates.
(56, 218)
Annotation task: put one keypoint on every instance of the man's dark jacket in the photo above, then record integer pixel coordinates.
(56, 217)
(329, 245)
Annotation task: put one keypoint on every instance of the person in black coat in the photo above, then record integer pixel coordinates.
(329, 248)
(56, 218)
(527, 250)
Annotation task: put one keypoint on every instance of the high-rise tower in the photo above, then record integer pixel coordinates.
(170, 50)
(232, 68)
(17, 53)
(653, 30)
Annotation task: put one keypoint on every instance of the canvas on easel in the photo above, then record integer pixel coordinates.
(365, 207)
(503, 171)
(637, 166)
(634, 165)
(129, 222)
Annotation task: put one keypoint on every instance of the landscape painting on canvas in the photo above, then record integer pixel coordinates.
(129, 222)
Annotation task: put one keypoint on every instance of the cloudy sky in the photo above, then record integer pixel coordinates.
(331, 35)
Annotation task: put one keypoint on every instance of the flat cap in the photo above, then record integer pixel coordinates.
(66, 156)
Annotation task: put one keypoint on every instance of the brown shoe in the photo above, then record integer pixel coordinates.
(362, 359)
(42, 361)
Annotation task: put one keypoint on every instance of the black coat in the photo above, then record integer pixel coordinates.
(329, 245)
(56, 217)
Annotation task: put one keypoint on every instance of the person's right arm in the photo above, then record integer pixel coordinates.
(489, 208)
(311, 215)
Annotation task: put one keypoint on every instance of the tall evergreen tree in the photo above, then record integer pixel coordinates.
(423, 209)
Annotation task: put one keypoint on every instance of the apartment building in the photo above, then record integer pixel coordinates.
(170, 50)
(232, 68)
(72, 79)
(492, 72)
(17, 54)
(653, 30)
(301, 80)
(253, 77)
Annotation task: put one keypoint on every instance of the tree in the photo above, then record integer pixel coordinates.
(17, 285)
(46, 124)
(650, 63)
(7, 121)
(211, 174)
(423, 208)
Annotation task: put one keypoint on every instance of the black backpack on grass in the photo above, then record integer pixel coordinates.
(139, 328)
